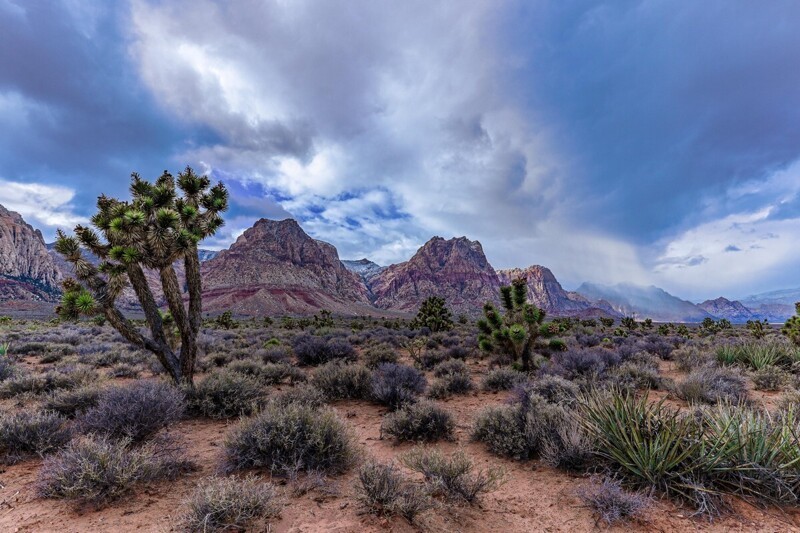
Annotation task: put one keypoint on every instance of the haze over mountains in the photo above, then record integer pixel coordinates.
(275, 268)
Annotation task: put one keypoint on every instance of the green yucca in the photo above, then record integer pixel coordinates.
(155, 228)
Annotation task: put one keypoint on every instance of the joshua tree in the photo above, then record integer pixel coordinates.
(516, 332)
(153, 230)
(434, 315)
(792, 327)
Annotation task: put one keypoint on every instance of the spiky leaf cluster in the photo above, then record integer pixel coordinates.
(514, 332)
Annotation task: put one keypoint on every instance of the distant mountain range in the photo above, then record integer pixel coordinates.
(276, 268)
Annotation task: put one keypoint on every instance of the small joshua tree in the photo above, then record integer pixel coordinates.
(434, 315)
(153, 230)
(792, 327)
(515, 332)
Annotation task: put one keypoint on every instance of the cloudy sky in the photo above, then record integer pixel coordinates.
(654, 142)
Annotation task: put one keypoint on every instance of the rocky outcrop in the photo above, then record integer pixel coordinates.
(365, 268)
(276, 268)
(734, 311)
(455, 269)
(27, 272)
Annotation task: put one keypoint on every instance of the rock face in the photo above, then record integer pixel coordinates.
(275, 268)
(365, 268)
(27, 272)
(734, 311)
(455, 269)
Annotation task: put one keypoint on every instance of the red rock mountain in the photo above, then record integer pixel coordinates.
(546, 292)
(455, 269)
(275, 268)
(27, 272)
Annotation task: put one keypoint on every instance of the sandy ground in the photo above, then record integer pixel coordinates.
(533, 498)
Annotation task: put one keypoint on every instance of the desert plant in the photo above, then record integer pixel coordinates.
(98, 471)
(312, 351)
(758, 328)
(225, 321)
(792, 326)
(769, 378)
(423, 421)
(434, 315)
(375, 355)
(226, 395)
(152, 230)
(453, 477)
(382, 490)
(288, 439)
(232, 504)
(629, 323)
(300, 394)
(71, 403)
(554, 389)
(711, 385)
(515, 332)
(394, 385)
(501, 379)
(339, 381)
(30, 433)
(135, 412)
(610, 503)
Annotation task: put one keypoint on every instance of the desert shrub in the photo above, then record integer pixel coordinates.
(450, 367)
(232, 504)
(711, 385)
(376, 355)
(97, 471)
(301, 394)
(7, 368)
(248, 367)
(501, 379)
(312, 351)
(286, 439)
(450, 384)
(394, 385)
(423, 421)
(659, 347)
(31, 433)
(124, 370)
(71, 403)
(338, 381)
(588, 365)
(453, 477)
(226, 395)
(553, 389)
(274, 354)
(770, 378)
(568, 447)
(135, 412)
(610, 503)
(382, 490)
(588, 340)
(61, 379)
(274, 373)
(632, 375)
(518, 430)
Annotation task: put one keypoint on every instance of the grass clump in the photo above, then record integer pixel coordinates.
(423, 421)
(220, 504)
(226, 394)
(382, 490)
(340, 381)
(501, 379)
(288, 439)
(135, 412)
(31, 433)
(453, 477)
(711, 385)
(97, 471)
(610, 503)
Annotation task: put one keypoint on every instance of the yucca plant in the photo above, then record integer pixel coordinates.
(154, 229)
(515, 332)
(4, 349)
(727, 355)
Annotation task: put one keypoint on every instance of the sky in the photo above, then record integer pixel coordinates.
(649, 142)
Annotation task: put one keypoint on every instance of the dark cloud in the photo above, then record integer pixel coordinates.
(732, 248)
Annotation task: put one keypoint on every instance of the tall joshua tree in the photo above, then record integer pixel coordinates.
(515, 332)
(157, 227)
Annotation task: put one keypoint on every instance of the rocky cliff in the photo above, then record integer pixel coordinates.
(27, 272)
(275, 268)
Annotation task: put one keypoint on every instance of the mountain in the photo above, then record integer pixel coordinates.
(455, 269)
(365, 268)
(644, 302)
(734, 311)
(276, 268)
(546, 292)
(27, 272)
(775, 306)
